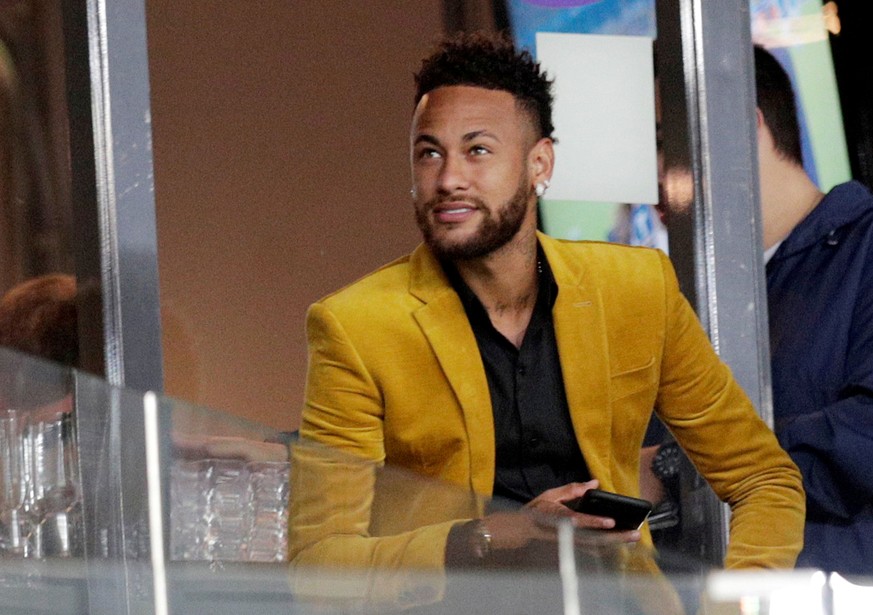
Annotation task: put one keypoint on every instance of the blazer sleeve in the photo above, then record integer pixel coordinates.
(342, 404)
(337, 478)
(733, 449)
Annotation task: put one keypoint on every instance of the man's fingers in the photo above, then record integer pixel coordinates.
(593, 522)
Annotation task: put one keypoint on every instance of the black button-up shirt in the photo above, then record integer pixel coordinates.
(536, 444)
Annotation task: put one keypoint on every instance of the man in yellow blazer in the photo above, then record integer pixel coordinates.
(407, 366)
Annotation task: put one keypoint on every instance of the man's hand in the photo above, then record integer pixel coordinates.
(538, 520)
(551, 503)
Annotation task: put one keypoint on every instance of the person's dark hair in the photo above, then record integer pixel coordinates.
(40, 317)
(491, 62)
(775, 99)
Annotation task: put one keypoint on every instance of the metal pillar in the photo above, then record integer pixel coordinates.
(706, 76)
(113, 191)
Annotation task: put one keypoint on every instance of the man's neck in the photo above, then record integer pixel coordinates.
(505, 282)
(788, 196)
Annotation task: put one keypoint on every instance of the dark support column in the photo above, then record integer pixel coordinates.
(710, 155)
(113, 191)
(116, 269)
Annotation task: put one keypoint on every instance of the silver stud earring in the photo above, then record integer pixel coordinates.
(540, 189)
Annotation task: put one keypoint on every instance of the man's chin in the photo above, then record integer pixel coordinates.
(452, 245)
(447, 252)
(460, 251)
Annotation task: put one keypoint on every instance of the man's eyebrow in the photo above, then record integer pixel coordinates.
(479, 133)
(426, 138)
(470, 136)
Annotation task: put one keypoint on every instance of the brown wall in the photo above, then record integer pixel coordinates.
(281, 173)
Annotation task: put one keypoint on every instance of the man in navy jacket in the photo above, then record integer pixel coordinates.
(819, 252)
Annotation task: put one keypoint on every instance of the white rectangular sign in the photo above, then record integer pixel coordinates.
(604, 116)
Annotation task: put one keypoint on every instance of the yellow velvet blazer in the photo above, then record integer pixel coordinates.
(395, 377)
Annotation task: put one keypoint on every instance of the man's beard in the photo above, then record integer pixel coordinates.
(494, 232)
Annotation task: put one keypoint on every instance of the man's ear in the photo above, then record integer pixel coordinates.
(542, 160)
(765, 137)
(759, 119)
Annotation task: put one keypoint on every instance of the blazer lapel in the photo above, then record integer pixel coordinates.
(580, 329)
(444, 323)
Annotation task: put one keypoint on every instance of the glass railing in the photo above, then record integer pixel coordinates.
(116, 501)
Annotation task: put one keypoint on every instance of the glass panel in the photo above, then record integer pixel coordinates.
(372, 538)
(362, 537)
(41, 495)
(228, 488)
(40, 482)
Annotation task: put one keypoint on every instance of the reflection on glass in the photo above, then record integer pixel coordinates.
(229, 510)
(768, 592)
(376, 536)
(268, 523)
(53, 490)
(39, 481)
(850, 598)
(349, 520)
(226, 517)
(188, 510)
(12, 540)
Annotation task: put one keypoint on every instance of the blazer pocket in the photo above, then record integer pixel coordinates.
(629, 381)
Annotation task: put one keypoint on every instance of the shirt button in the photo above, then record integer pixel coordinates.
(520, 369)
(533, 441)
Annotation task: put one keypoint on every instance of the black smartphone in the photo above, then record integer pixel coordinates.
(629, 513)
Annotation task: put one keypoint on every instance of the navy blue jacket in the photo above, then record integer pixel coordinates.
(820, 301)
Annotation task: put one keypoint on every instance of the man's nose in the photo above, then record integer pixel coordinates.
(454, 175)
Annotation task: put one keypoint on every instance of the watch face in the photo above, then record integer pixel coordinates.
(665, 465)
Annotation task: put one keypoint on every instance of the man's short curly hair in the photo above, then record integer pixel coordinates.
(491, 62)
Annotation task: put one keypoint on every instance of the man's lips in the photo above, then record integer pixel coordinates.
(453, 212)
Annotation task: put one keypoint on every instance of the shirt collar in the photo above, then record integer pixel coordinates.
(472, 305)
(769, 252)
